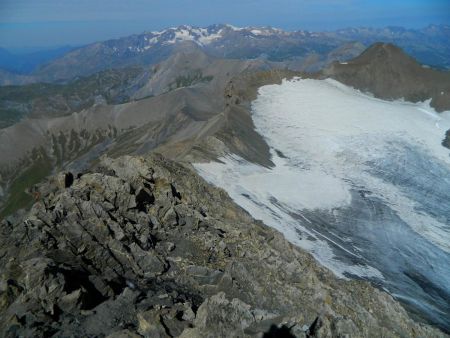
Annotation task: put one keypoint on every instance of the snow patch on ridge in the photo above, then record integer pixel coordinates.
(201, 36)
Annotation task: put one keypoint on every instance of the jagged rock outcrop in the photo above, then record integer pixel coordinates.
(145, 248)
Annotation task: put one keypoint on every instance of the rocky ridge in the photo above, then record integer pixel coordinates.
(143, 247)
(177, 101)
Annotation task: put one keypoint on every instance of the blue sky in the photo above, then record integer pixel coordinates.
(47, 23)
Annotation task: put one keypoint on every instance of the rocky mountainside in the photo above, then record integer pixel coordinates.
(165, 107)
(190, 66)
(389, 73)
(52, 100)
(143, 247)
(301, 49)
(10, 78)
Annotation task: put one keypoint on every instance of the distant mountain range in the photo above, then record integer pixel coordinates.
(302, 50)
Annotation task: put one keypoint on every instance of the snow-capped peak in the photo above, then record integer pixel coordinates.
(201, 36)
(234, 28)
(265, 31)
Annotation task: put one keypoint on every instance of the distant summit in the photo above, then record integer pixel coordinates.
(387, 72)
(381, 52)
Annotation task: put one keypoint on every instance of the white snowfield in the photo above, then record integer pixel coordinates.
(199, 35)
(327, 141)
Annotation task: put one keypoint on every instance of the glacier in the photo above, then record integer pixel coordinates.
(361, 183)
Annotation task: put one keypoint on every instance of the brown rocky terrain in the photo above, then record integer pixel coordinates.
(143, 247)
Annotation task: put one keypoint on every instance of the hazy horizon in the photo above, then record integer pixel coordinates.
(54, 23)
(36, 48)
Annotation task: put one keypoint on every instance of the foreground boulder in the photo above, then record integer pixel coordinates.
(146, 248)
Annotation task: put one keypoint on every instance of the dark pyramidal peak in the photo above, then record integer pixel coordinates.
(384, 52)
(387, 72)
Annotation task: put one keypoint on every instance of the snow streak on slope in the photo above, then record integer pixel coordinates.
(361, 183)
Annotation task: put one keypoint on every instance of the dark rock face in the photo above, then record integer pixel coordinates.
(145, 248)
(68, 179)
(446, 141)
